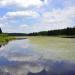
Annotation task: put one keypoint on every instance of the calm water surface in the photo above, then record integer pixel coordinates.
(38, 56)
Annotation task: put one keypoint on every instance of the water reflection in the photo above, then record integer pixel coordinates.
(39, 67)
(3, 44)
(20, 58)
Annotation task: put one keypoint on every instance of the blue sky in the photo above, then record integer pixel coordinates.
(27, 16)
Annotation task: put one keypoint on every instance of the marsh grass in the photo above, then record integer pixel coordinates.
(4, 38)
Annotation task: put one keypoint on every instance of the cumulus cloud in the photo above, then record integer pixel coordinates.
(1, 25)
(22, 14)
(37, 19)
(55, 19)
(24, 3)
(59, 17)
(69, 3)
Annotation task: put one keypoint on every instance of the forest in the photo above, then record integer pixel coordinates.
(66, 31)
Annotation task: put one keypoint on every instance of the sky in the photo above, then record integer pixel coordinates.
(26, 16)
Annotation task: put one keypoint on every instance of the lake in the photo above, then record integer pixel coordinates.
(38, 56)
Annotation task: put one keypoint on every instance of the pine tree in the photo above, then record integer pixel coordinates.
(0, 30)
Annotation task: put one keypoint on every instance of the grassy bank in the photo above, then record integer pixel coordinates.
(5, 38)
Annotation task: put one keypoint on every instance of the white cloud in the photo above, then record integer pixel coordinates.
(55, 19)
(23, 14)
(49, 20)
(23, 26)
(59, 17)
(24, 3)
(1, 25)
(69, 3)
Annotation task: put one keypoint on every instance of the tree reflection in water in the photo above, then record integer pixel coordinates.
(0, 46)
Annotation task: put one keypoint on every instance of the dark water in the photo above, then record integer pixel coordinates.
(19, 57)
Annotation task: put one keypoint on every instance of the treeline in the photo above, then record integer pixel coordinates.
(66, 31)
